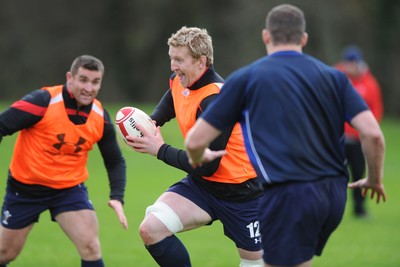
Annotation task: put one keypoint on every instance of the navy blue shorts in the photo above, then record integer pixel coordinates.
(298, 218)
(239, 219)
(20, 210)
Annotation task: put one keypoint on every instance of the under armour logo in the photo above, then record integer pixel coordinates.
(6, 215)
(257, 240)
(68, 147)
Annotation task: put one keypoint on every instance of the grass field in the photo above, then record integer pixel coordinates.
(356, 243)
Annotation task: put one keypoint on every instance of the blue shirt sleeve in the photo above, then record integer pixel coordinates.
(226, 109)
(352, 101)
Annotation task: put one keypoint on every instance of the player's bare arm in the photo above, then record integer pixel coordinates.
(197, 141)
(373, 145)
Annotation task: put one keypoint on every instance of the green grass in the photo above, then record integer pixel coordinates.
(356, 243)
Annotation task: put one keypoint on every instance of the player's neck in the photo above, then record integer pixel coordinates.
(279, 48)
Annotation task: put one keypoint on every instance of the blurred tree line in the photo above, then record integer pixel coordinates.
(39, 39)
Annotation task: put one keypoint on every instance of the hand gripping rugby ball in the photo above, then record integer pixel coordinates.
(127, 120)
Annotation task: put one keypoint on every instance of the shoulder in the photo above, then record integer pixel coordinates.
(38, 97)
(172, 77)
(247, 71)
(242, 76)
(214, 76)
(207, 100)
(371, 77)
(325, 69)
(98, 107)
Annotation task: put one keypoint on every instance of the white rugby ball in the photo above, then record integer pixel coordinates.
(128, 118)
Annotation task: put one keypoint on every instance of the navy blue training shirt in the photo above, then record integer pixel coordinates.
(292, 108)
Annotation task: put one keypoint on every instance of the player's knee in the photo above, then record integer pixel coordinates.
(147, 232)
(251, 263)
(7, 255)
(91, 250)
(165, 215)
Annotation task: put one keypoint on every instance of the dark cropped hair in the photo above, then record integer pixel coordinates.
(286, 24)
(87, 62)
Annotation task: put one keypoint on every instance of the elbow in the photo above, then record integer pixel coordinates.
(378, 137)
(380, 140)
(193, 144)
(375, 137)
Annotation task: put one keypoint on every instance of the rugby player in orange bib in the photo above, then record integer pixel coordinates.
(225, 189)
(57, 128)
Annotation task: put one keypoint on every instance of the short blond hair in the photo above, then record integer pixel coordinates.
(197, 40)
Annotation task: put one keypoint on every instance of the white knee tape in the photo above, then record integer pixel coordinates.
(251, 263)
(166, 215)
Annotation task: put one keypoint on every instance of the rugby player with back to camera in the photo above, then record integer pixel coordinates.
(293, 108)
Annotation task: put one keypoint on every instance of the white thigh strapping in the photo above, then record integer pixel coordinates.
(166, 215)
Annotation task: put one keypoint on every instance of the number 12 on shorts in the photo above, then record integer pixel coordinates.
(254, 231)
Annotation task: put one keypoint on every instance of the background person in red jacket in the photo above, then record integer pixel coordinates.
(354, 66)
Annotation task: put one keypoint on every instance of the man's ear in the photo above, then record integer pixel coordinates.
(68, 75)
(203, 61)
(304, 39)
(265, 36)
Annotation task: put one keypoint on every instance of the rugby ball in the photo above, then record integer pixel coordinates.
(128, 118)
